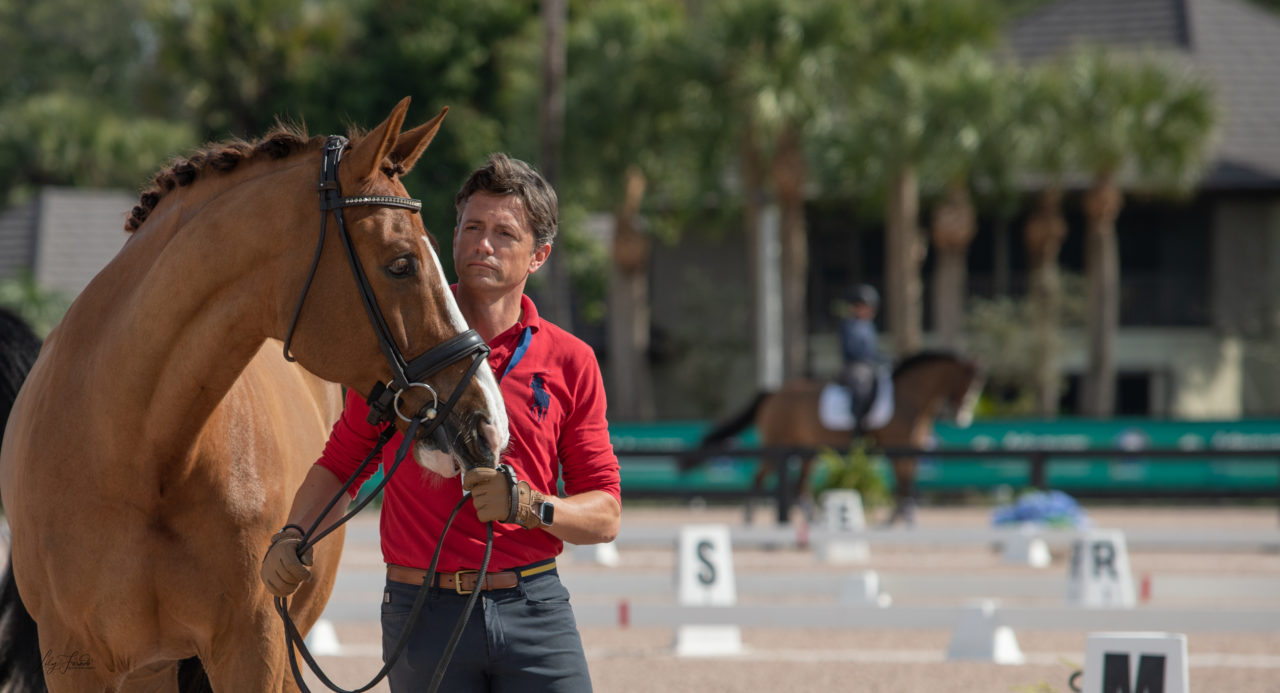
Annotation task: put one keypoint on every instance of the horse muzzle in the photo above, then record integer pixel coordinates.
(458, 444)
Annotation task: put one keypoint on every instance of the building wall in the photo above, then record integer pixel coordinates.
(1247, 294)
(80, 231)
(17, 238)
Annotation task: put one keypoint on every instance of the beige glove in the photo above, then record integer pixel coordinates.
(491, 494)
(283, 570)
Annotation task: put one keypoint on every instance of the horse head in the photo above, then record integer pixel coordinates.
(318, 232)
(962, 385)
(946, 384)
(405, 283)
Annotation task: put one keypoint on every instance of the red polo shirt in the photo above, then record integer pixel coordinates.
(555, 402)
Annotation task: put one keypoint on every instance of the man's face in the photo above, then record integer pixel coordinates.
(493, 245)
(863, 311)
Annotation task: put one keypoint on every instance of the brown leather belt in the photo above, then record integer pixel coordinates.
(464, 581)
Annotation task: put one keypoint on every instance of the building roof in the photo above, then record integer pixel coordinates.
(64, 236)
(1231, 43)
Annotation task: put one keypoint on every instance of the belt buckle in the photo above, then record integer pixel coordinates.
(457, 581)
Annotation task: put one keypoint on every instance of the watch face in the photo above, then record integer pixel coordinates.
(547, 513)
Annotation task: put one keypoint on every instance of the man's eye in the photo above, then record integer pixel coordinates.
(401, 267)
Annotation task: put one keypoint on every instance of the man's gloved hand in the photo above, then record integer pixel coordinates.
(283, 570)
(491, 493)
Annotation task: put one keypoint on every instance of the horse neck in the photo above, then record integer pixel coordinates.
(919, 391)
(165, 329)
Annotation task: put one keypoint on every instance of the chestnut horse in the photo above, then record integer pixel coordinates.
(158, 440)
(925, 386)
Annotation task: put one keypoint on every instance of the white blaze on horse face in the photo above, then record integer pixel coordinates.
(497, 432)
(964, 416)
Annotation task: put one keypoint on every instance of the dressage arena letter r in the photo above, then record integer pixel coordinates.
(1104, 556)
(1115, 673)
(707, 575)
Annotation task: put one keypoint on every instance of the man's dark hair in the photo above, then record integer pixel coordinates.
(503, 175)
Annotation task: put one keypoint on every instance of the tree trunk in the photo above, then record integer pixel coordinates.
(630, 385)
(788, 178)
(1044, 234)
(954, 227)
(559, 308)
(904, 254)
(753, 197)
(1102, 205)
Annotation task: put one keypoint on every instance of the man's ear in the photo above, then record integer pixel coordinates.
(540, 255)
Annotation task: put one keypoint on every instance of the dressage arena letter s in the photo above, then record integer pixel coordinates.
(707, 574)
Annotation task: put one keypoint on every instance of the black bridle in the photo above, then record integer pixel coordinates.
(384, 402)
(384, 399)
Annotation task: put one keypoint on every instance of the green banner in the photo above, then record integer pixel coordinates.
(1210, 473)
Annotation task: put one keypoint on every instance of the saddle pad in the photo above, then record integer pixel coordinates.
(834, 408)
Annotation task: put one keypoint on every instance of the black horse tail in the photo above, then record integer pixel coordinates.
(716, 438)
(21, 668)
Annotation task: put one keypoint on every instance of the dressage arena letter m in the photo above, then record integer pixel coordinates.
(1116, 673)
(1160, 659)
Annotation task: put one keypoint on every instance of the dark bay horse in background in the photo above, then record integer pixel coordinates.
(160, 436)
(926, 386)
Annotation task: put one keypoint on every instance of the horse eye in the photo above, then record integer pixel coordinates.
(401, 267)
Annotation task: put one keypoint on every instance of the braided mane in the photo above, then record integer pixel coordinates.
(281, 142)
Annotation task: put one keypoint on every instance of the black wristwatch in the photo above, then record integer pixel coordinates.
(546, 513)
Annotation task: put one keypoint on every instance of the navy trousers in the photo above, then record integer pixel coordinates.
(516, 640)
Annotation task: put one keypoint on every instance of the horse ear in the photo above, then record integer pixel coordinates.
(366, 157)
(412, 143)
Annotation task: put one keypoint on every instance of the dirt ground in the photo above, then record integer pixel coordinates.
(631, 659)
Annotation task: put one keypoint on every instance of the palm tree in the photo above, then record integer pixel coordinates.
(1040, 129)
(777, 68)
(1141, 122)
(970, 108)
(888, 111)
(623, 137)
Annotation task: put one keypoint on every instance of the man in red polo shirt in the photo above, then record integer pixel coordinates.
(522, 636)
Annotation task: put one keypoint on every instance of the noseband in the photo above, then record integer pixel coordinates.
(384, 398)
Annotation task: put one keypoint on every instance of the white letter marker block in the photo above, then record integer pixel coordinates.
(323, 639)
(1137, 662)
(842, 516)
(706, 567)
(978, 635)
(1099, 573)
(1025, 547)
(705, 578)
(601, 554)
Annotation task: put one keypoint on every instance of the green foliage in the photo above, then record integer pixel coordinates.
(999, 338)
(588, 262)
(1136, 116)
(70, 106)
(852, 470)
(40, 308)
(1046, 687)
(60, 138)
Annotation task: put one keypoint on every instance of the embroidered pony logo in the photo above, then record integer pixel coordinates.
(541, 400)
